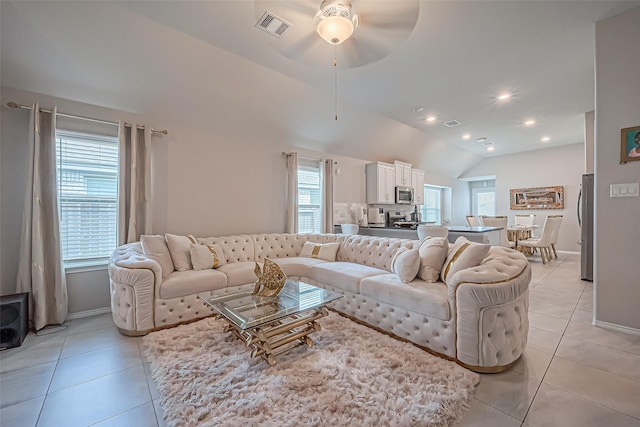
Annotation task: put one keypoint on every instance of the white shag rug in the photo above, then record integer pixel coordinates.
(352, 376)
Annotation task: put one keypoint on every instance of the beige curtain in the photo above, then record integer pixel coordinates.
(40, 269)
(292, 192)
(134, 183)
(327, 196)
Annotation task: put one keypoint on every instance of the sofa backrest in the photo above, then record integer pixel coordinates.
(236, 248)
(281, 245)
(372, 251)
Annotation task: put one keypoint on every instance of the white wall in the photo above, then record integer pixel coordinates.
(540, 168)
(617, 239)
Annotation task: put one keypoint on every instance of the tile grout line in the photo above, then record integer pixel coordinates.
(46, 395)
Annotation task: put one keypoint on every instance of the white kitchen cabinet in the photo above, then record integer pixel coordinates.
(380, 183)
(403, 174)
(417, 183)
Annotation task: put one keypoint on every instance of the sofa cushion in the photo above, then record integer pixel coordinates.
(204, 257)
(181, 283)
(325, 251)
(406, 263)
(433, 253)
(155, 247)
(297, 266)
(179, 248)
(429, 299)
(239, 273)
(343, 275)
(463, 254)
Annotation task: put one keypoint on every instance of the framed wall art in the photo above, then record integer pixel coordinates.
(537, 198)
(629, 144)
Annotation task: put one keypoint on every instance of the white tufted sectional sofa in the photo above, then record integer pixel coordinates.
(478, 319)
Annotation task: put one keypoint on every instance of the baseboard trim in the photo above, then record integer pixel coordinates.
(619, 328)
(88, 313)
(569, 252)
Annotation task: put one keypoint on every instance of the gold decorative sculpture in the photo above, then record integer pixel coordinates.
(270, 281)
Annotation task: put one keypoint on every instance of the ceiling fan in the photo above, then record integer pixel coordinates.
(357, 32)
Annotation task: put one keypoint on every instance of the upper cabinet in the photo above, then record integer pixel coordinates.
(403, 174)
(417, 183)
(381, 181)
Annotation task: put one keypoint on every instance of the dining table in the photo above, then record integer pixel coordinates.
(519, 232)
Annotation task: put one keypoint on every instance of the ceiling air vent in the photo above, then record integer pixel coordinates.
(452, 123)
(273, 25)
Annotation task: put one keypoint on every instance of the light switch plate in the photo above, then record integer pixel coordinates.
(624, 190)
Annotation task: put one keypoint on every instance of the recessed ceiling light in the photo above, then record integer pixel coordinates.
(417, 109)
(545, 139)
(431, 119)
(504, 96)
(530, 122)
(466, 136)
(491, 148)
(482, 139)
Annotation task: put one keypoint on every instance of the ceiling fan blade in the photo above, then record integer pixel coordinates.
(303, 48)
(359, 51)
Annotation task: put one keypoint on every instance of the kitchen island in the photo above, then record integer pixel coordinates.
(479, 234)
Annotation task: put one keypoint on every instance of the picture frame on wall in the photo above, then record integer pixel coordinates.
(537, 198)
(629, 144)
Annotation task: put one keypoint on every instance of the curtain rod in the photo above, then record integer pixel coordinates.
(285, 154)
(13, 105)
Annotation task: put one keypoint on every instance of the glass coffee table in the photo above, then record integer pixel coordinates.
(273, 325)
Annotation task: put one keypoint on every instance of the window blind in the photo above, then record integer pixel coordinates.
(87, 170)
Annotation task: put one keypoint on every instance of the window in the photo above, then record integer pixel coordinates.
(309, 196)
(87, 168)
(483, 201)
(432, 208)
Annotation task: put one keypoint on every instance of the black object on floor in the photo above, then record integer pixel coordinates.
(14, 320)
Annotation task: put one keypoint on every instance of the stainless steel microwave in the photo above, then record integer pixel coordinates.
(404, 195)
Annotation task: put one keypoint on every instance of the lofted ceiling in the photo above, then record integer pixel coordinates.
(195, 60)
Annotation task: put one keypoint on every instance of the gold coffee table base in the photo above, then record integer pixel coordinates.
(273, 338)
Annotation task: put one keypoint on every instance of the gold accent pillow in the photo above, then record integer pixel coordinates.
(325, 251)
(463, 254)
(270, 281)
(204, 257)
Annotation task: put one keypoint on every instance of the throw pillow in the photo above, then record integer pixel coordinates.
(155, 247)
(433, 253)
(406, 264)
(463, 254)
(179, 247)
(325, 251)
(204, 257)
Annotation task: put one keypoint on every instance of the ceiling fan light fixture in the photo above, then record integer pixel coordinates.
(335, 21)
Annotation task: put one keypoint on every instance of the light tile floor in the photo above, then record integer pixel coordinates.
(572, 374)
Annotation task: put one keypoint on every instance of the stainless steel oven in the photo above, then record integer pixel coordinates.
(404, 195)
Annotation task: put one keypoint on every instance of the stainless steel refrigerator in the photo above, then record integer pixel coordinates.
(585, 219)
